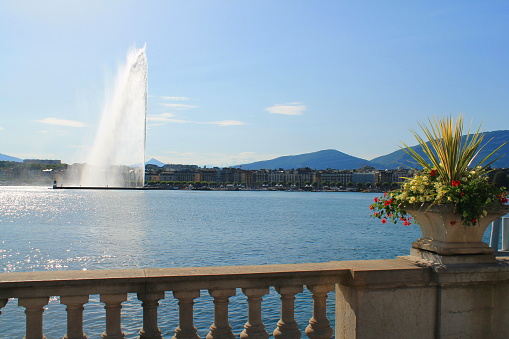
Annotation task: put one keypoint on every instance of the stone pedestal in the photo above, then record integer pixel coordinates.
(433, 258)
(385, 299)
(417, 298)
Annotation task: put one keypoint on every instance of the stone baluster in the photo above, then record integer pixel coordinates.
(287, 327)
(254, 328)
(319, 326)
(74, 315)
(113, 307)
(221, 328)
(150, 303)
(186, 329)
(2, 303)
(34, 307)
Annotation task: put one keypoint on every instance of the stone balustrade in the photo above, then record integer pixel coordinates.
(407, 297)
(34, 289)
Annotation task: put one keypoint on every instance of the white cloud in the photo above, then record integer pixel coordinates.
(226, 123)
(179, 106)
(61, 122)
(174, 98)
(161, 117)
(1, 128)
(293, 108)
(169, 118)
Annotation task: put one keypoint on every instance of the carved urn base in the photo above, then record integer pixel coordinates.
(443, 232)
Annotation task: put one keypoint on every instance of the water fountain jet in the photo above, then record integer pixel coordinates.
(117, 157)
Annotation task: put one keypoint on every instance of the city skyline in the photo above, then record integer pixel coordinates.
(238, 82)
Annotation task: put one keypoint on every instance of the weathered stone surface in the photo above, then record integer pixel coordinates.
(423, 299)
(399, 298)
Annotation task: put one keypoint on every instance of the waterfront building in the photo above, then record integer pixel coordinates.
(335, 176)
(364, 176)
(207, 174)
(175, 175)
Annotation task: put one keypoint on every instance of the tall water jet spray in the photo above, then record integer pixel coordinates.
(117, 157)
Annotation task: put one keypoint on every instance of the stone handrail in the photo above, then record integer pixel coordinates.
(33, 290)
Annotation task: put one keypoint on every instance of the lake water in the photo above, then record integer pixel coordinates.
(45, 229)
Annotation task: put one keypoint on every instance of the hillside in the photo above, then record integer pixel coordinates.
(156, 162)
(400, 158)
(316, 160)
(4, 157)
(339, 160)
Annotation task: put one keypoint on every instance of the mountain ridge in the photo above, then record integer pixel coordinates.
(334, 159)
(391, 160)
(322, 159)
(491, 141)
(5, 157)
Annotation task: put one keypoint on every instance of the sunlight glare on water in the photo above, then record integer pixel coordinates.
(45, 229)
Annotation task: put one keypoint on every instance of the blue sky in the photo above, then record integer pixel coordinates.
(232, 82)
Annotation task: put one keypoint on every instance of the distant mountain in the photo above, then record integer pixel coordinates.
(155, 162)
(4, 157)
(317, 160)
(338, 160)
(400, 158)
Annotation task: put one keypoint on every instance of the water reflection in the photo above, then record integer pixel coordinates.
(44, 229)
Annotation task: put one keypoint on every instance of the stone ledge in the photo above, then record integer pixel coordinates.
(49, 283)
(386, 273)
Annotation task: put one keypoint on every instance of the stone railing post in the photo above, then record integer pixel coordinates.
(254, 328)
(74, 315)
(113, 307)
(34, 307)
(150, 303)
(221, 328)
(287, 327)
(186, 329)
(2, 304)
(319, 326)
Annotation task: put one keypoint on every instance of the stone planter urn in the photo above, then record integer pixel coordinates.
(443, 232)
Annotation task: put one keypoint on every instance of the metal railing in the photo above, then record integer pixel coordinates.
(500, 227)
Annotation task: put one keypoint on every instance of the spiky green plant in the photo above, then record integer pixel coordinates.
(447, 176)
(447, 151)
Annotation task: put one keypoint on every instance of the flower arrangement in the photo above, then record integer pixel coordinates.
(446, 176)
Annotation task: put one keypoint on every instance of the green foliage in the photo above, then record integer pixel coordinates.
(501, 179)
(445, 177)
(446, 151)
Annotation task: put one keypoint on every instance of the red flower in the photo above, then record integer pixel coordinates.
(388, 202)
(371, 207)
(433, 173)
(474, 221)
(407, 223)
(384, 221)
(453, 222)
(455, 183)
(502, 198)
(462, 194)
(376, 199)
